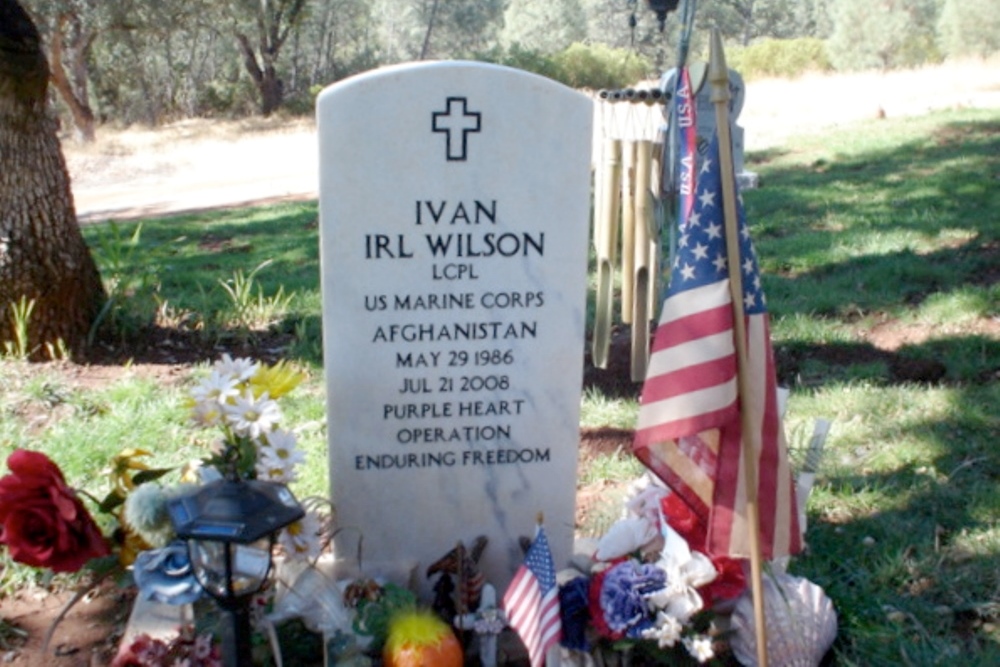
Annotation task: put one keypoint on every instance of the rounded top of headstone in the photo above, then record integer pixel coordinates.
(702, 87)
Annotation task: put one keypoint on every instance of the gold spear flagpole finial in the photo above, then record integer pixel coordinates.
(718, 75)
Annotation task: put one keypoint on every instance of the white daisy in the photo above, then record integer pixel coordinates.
(666, 632)
(277, 456)
(216, 388)
(301, 539)
(271, 468)
(700, 647)
(241, 368)
(207, 413)
(249, 416)
(283, 445)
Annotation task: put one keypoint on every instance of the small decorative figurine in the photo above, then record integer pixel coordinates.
(463, 564)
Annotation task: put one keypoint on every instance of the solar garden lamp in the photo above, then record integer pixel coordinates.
(230, 526)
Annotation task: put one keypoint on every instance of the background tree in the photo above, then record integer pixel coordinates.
(70, 29)
(335, 39)
(883, 34)
(545, 27)
(436, 29)
(261, 29)
(43, 257)
(969, 28)
(459, 28)
(140, 61)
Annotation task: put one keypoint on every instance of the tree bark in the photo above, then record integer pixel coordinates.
(75, 96)
(43, 257)
(425, 49)
(274, 22)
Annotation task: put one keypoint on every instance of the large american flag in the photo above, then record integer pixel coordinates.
(532, 601)
(689, 429)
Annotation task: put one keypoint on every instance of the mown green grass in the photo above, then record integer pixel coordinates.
(891, 225)
(895, 224)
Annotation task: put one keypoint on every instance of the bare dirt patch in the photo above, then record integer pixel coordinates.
(87, 637)
(201, 164)
(891, 335)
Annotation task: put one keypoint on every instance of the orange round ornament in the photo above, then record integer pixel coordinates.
(421, 639)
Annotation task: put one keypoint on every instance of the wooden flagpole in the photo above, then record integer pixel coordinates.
(718, 74)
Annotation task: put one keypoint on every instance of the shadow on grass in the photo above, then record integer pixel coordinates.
(936, 592)
(946, 360)
(178, 268)
(878, 234)
(927, 184)
(902, 535)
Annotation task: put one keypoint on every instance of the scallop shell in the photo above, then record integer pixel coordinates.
(801, 623)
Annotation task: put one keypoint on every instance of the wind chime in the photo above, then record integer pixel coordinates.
(626, 225)
(628, 210)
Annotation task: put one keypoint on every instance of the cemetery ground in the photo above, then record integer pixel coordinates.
(880, 249)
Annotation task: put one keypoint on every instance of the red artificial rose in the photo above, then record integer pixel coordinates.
(596, 611)
(682, 519)
(42, 521)
(729, 584)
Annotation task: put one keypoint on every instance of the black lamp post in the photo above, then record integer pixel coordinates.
(230, 527)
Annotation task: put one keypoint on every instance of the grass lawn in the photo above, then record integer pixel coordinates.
(880, 249)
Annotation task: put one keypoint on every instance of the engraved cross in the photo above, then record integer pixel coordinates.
(457, 122)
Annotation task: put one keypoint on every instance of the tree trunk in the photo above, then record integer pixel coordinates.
(272, 91)
(269, 85)
(425, 49)
(75, 97)
(275, 21)
(43, 257)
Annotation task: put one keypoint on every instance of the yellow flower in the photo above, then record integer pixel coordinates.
(132, 544)
(124, 465)
(189, 472)
(276, 380)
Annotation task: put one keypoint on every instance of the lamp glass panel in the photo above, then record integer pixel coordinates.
(250, 566)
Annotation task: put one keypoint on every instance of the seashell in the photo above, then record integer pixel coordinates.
(801, 623)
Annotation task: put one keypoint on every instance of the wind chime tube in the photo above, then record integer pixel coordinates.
(629, 221)
(605, 237)
(641, 312)
(656, 222)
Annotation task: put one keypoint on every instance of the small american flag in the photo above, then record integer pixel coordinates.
(689, 431)
(532, 601)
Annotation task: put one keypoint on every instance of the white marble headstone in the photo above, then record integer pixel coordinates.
(454, 204)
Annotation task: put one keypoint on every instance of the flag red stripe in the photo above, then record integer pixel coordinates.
(690, 378)
(728, 480)
(693, 327)
(647, 435)
(681, 304)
